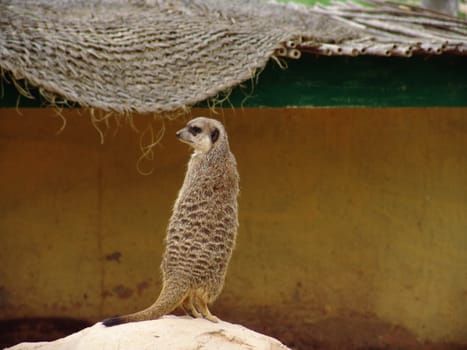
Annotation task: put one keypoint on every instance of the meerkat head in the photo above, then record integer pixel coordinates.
(202, 134)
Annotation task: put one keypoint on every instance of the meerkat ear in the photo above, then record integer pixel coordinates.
(214, 135)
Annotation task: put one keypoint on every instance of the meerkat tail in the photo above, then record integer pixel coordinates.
(172, 295)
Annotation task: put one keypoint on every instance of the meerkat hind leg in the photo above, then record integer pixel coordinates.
(189, 307)
(185, 309)
(202, 306)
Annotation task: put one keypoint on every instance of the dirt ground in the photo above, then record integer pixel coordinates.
(16, 331)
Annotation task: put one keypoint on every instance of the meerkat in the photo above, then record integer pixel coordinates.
(202, 230)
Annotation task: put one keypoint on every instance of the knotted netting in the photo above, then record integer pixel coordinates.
(149, 56)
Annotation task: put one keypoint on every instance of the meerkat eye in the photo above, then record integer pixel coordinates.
(194, 130)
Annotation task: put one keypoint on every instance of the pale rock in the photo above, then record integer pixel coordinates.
(167, 333)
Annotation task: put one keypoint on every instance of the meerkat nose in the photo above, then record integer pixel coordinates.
(178, 133)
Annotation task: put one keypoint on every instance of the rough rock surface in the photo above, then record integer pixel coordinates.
(169, 332)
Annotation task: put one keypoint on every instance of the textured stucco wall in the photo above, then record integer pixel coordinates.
(345, 213)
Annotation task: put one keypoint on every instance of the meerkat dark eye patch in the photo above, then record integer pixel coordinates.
(194, 130)
(214, 135)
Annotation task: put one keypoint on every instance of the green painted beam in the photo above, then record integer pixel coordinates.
(437, 81)
(363, 81)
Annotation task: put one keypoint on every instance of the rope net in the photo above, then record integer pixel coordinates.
(149, 56)
(163, 56)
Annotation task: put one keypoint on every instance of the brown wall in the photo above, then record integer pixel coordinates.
(345, 214)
